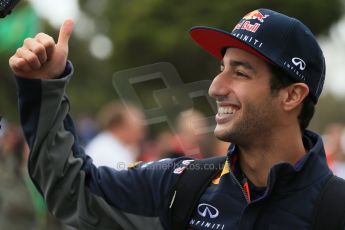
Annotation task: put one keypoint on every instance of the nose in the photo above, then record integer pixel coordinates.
(219, 87)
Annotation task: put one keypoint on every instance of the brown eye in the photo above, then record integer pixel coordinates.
(240, 74)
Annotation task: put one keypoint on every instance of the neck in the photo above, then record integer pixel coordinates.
(258, 158)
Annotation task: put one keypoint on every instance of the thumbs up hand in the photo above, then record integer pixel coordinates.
(40, 57)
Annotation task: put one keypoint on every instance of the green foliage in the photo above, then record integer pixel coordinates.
(149, 31)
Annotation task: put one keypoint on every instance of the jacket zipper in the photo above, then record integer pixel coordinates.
(239, 184)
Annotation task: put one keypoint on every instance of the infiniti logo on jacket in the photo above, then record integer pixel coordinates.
(206, 210)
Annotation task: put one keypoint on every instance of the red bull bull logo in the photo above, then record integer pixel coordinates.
(255, 15)
(245, 22)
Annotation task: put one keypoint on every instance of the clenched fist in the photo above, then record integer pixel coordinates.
(40, 57)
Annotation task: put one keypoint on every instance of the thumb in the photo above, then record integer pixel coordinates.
(65, 33)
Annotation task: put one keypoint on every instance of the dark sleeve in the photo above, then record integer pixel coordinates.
(75, 190)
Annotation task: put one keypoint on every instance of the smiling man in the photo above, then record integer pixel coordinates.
(262, 123)
(271, 76)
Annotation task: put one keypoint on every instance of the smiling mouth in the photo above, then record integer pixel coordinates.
(225, 113)
(226, 110)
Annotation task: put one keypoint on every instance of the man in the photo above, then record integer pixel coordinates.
(123, 130)
(272, 74)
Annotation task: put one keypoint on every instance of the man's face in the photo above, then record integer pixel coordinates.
(246, 107)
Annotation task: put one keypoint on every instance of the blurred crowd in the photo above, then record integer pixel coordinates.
(21, 205)
(118, 137)
(334, 141)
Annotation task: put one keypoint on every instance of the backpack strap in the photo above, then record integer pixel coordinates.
(329, 211)
(189, 188)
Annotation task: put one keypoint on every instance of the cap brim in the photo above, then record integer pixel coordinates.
(215, 40)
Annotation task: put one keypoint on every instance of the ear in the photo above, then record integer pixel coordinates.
(294, 95)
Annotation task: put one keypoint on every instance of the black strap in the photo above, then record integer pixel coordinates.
(329, 211)
(189, 188)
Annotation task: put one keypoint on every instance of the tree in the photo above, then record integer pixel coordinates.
(150, 31)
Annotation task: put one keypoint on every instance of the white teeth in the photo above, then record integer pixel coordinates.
(226, 110)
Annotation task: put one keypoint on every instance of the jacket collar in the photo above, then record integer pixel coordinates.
(285, 177)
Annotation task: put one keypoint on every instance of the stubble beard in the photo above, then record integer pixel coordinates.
(253, 123)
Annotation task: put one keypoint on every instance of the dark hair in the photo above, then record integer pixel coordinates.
(280, 79)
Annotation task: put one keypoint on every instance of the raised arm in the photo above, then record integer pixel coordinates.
(75, 190)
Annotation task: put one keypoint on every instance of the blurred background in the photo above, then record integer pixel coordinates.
(117, 35)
